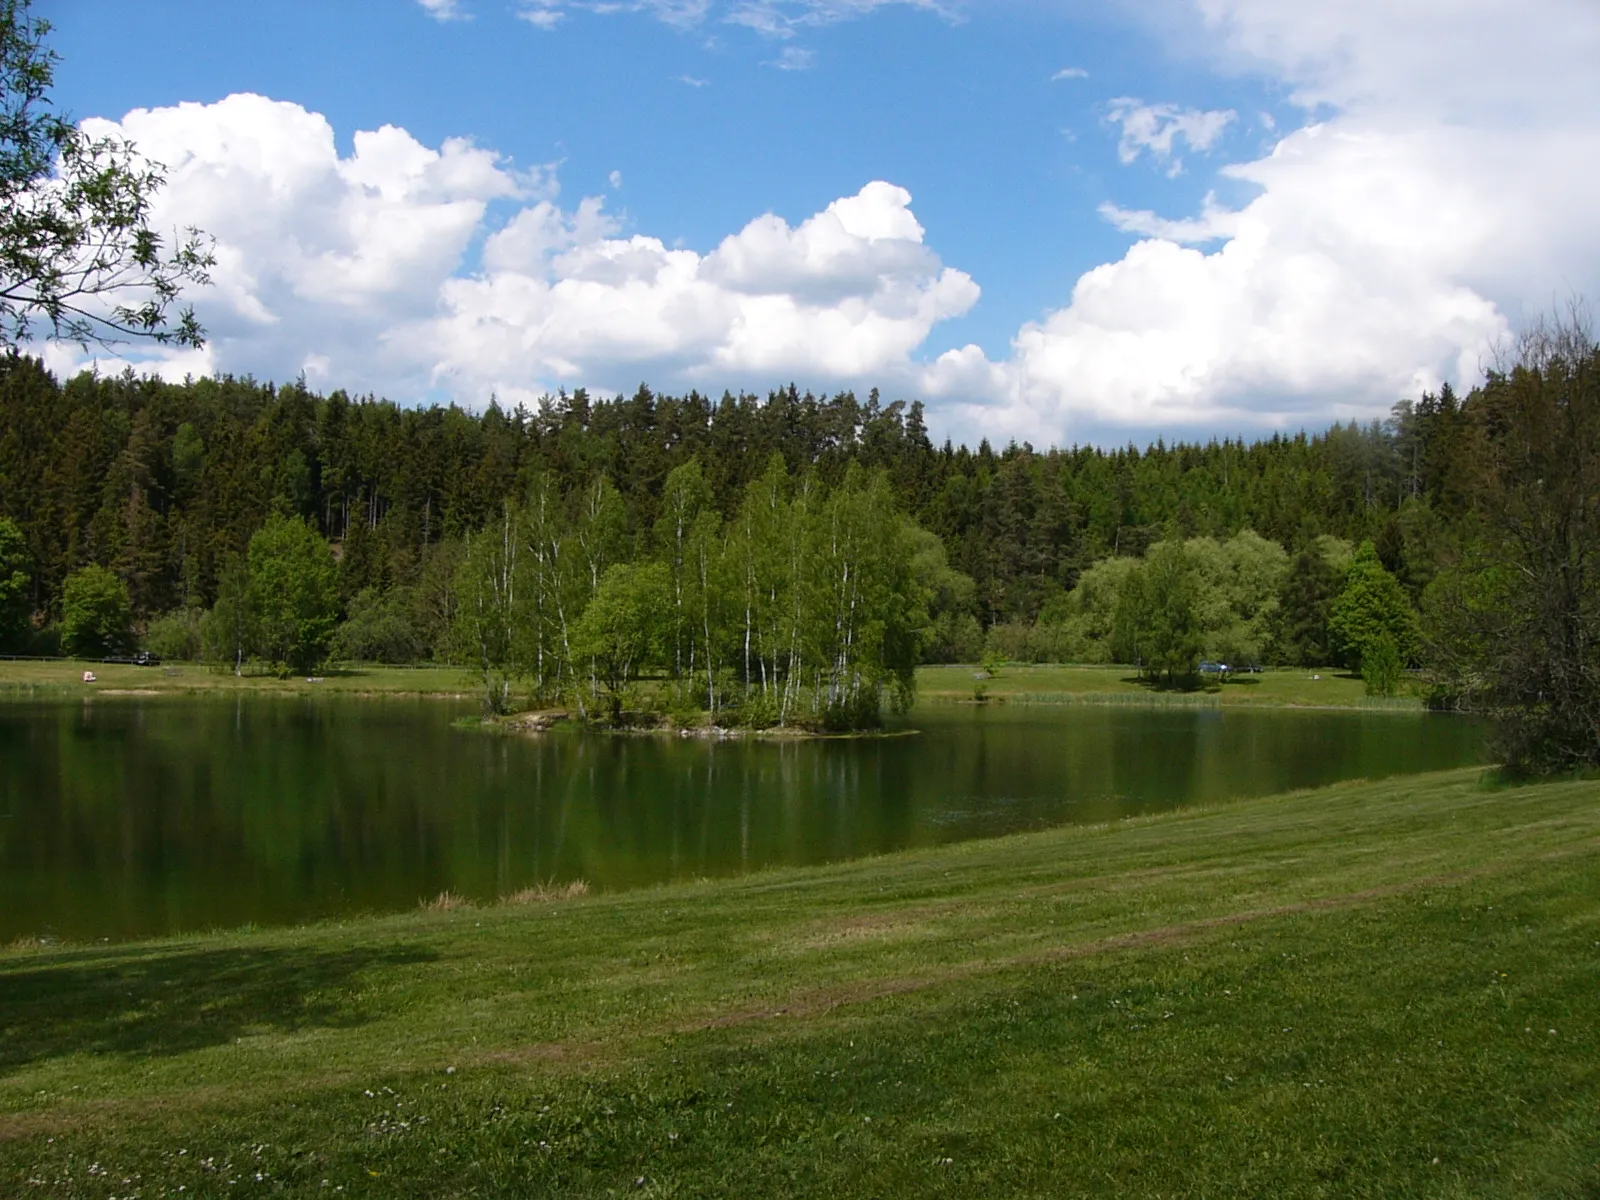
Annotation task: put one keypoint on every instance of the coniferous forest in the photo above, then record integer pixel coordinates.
(791, 557)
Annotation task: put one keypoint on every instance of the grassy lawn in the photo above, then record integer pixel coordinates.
(1043, 684)
(1383, 989)
(1047, 683)
(120, 679)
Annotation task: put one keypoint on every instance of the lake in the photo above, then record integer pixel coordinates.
(129, 818)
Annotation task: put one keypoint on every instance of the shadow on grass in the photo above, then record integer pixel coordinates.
(156, 1004)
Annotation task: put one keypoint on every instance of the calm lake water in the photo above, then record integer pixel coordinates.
(128, 818)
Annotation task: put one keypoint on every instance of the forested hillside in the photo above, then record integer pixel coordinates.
(786, 558)
(162, 482)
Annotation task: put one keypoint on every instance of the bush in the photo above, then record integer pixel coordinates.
(953, 637)
(96, 617)
(176, 635)
(1016, 641)
(380, 628)
(44, 642)
(1382, 667)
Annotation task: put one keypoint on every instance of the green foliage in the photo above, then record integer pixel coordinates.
(1159, 623)
(1381, 667)
(164, 482)
(294, 593)
(953, 637)
(807, 607)
(177, 636)
(1017, 641)
(686, 501)
(381, 627)
(229, 632)
(188, 458)
(16, 585)
(864, 641)
(1372, 606)
(487, 618)
(75, 234)
(96, 615)
(1305, 605)
(1514, 624)
(1238, 583)
(1086, 617)
(626, 627)
(950, 597)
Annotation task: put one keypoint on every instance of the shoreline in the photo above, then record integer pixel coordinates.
(1041, 685)
(537, 722)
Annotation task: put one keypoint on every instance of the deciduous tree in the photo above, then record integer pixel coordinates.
(96, 615)
(294, 592)
(79, 260)
(1158, 618)
(1371, 606)
(1514, 626)
(626, 627)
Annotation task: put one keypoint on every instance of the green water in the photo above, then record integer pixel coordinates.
(145, 817)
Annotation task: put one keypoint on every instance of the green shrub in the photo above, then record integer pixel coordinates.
(176, 635)
(96, 615)
(1381, 666)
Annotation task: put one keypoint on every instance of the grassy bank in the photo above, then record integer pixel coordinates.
(1043, 684)
(58, 678)
(1375, 989)
(1048, 683)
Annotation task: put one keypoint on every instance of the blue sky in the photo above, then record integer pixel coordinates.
(1290, 265)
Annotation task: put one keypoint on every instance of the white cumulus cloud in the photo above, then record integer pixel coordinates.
(1437, 197)
(414, 270)
(317, 253)
(850, 293)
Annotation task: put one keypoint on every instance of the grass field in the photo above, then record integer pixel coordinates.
(1385, 989)
(22, 678)
(1016, 684)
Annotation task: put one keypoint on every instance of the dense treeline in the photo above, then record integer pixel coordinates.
(581, 544)
(163, 483)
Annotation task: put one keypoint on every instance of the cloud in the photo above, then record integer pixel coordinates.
(793, 58)
(1431, 200)
(317, 253)
(1156, 129)
(849, 294)
(418, 271)
(771, 18)
(1069, 73)
(1213, 223)
(691, 81)
(541, 15)
(444, 10)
